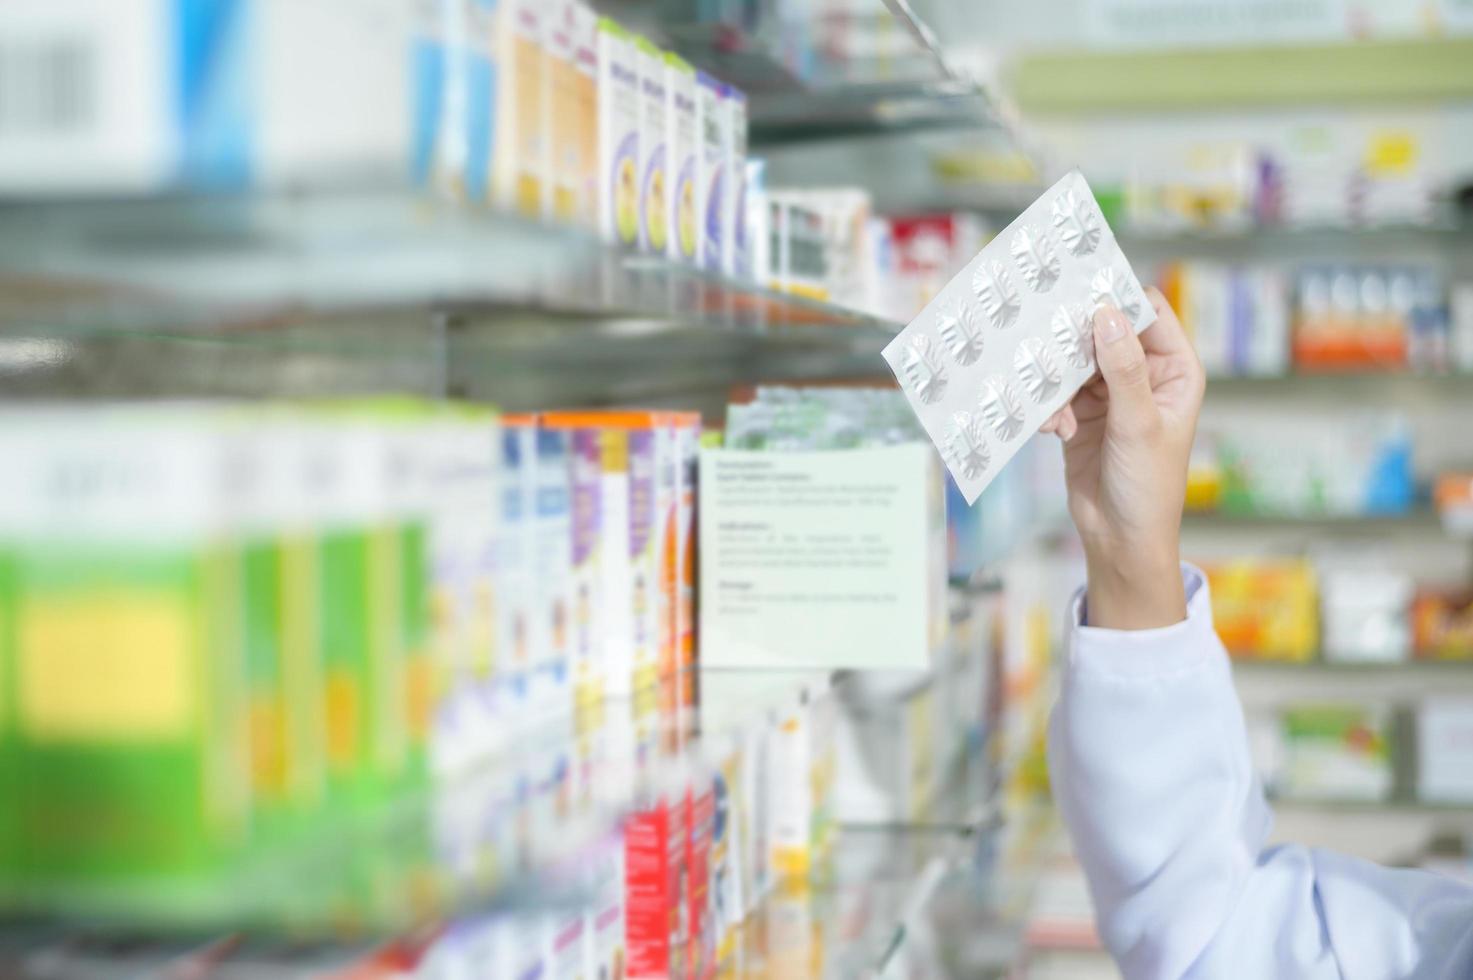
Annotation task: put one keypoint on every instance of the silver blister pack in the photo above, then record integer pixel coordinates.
(1009, 341)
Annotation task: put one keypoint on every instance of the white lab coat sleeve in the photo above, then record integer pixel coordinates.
(1150, 766)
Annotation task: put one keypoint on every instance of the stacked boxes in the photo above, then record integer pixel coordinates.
(336, 606)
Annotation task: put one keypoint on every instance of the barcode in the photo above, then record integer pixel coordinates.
(47, 88)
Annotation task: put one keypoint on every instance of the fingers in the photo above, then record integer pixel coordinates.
(1166, 335)
(1062, 424)
(1068, 424)
(1122, 361)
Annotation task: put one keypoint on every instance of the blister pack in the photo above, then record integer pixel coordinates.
(1009, 341)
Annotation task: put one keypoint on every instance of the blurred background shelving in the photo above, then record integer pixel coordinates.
(1307, 212)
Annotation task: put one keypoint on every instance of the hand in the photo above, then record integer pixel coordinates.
(1127, 436)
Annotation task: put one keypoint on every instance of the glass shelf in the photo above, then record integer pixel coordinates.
(515, 831)
(1392, 806)
(873, 71)
(1434, 671)
(1421, 520)
(319, 293)
(1390, 384)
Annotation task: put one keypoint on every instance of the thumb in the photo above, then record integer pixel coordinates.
(1122, 362)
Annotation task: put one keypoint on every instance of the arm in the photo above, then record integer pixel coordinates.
(1147, 744)
(1152, 775)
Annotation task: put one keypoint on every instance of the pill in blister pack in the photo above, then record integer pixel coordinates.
(1009, 341)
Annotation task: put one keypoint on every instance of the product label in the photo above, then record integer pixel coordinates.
(816, 559)
(681, 141)
(655, 898)
(531, 164)
(712, 186)
(472, 88)
(566, 140)
(654, 199)
(618, 128)
(585, 61)
(737, 256)
(588, 517)
(114, 664)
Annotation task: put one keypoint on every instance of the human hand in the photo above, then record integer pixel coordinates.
(1127, 436)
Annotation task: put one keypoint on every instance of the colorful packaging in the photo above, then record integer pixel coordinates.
(1442, 624)
(585, 59)
(278, 612)
(1337, 752)
(656, 890)
(736, 246)
(514, 605)
(1026, 351)
(605, 916)
(687, 445)
(568, 945)
(711, 177)
(1266, 609)
(474, 128)
(565, 142)
(8, 838)
(618, 135)
(123, 626)
(801, 776)
(434, 56)
(589, 635)
(628, 600)
(680, 142)
(461, 459)
(702, 929)
(277, 106)
(520, 166)
(551, 623)
(728, 832)
(654, 162)
(353, 627)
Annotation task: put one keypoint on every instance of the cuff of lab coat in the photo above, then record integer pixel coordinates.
(1173, 649)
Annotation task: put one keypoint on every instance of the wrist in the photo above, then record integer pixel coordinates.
(1135, 589)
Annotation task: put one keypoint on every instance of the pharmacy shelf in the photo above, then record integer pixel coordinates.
(1308, 240)
(914, 90)
(1331, 807)
(516, 831)
(1390, 72)
(1264, 683)
(321, 293)
(1420, 520)
(872, 109)
(1433, 671)
(1389, 385)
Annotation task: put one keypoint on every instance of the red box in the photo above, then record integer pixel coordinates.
(655, 891)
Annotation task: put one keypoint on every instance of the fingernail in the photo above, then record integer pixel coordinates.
(1110, 325)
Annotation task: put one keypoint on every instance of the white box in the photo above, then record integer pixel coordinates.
(519, 155)
(654, 195)
(680, 119)
(1445, 750)
(122, 96)
(618, 135)
(736, 248)
(710, 172)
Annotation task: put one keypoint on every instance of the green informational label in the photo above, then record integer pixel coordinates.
(347, 718)
(7, 739)
(129, 724)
